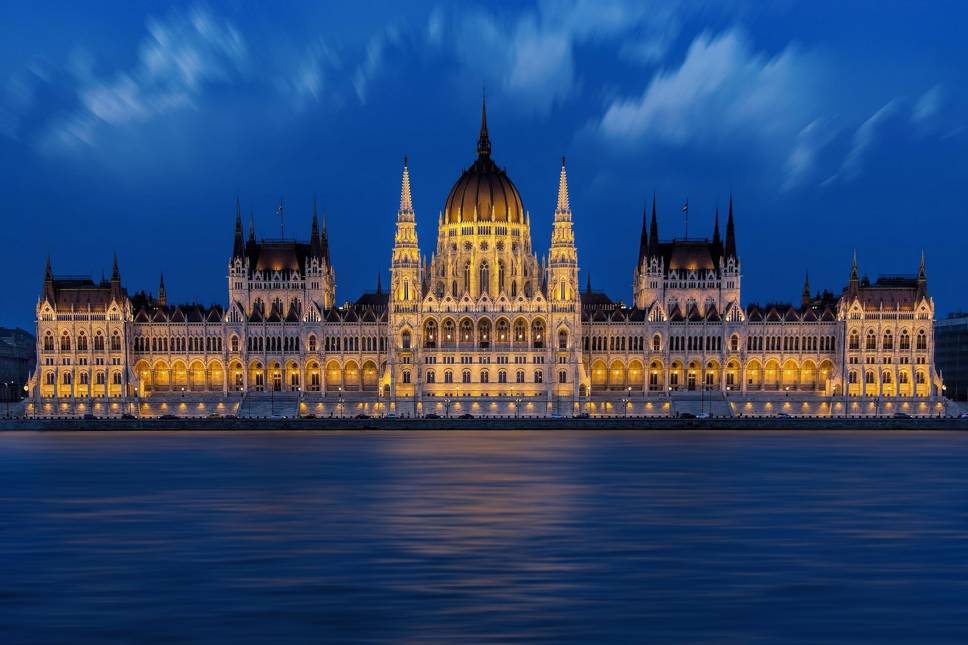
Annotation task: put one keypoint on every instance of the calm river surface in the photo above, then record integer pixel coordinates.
(461, 537)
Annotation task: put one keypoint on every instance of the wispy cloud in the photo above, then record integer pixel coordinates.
(722, 89)
(802, 161)
(179, 58)
(374, 60)
(927, 106)
(864, 138)
(529, 57)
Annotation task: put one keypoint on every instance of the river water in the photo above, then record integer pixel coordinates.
(463, 537)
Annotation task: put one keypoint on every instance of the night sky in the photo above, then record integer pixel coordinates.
(130, 127)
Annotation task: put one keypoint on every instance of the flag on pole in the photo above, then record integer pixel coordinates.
(685, 214)
(685, 207)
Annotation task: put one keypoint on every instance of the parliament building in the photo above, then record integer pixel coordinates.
(485, 328)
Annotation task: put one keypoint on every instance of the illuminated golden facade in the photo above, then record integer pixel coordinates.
(485, 328)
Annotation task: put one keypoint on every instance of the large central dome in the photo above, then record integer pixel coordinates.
(484, 193)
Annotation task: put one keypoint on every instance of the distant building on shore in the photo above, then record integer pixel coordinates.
(18, 357)
(951, 354)
(485, 327)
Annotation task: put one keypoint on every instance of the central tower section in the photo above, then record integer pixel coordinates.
(484, 234)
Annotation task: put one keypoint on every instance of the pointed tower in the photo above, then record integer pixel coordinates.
(653, 231)
(564, 295)
(563, 259)
(49, 282)
(643, 239)
(647, 279)
(116, 280)
(238, 243)
(805, 298)
(922, 280)
(315, 242)
(717, 242)
(405, 265)
(730, 249)
(162, 294)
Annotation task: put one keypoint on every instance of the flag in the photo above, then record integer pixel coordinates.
(685, 206)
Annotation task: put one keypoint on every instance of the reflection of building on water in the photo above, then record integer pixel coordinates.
(485, 327)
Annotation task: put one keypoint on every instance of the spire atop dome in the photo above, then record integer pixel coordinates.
(406, 200)
(563, 204)
(483, 141)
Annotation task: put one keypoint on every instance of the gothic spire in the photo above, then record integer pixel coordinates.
(588, 283)
(716, 239)
(162, 294)
(730, 249)
(653, 232)
(406, 200)
(805, 294)
(922, 279)
(644, 236)
(379, 284)
(563, 204)
(853, 268)
(238, 245)
(115, 273)
(315, 244)
(483, 141)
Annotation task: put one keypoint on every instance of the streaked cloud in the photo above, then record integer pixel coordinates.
(863, 139)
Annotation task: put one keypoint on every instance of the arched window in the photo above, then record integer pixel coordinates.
(485, 376)
(312, 342)
(405, 340)
(48, 342)
(406, 290)
(406, 376)
(538, 376)
(500, 276)
(449, 331)
(465, 376)
(466, 331)
(99, 378)
(656, 343)
(467, 276)
(852, 377)
(561, 290)
(888, 340)
(485, 276)
(81, 342)
(854, 342)
(453, 288)
(734, 343)
(905, 342)
(484, 332)
(99, 342)
(869, 378)
(431, 376)
(562, 339)
(514, 288)
(84, 378)
(519, 376)
(871, 343)
(919, 378)
(448, 376)
(65, 343)
(537, 333)
(503, 330)
(115, 342)
(520, 332)
(430, 333)
(502, 376)
(562, 376)
(922, 342)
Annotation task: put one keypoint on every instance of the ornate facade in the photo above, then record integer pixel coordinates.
(485, 328)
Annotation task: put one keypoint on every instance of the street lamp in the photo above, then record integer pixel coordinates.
(339, 402)
(628, 400)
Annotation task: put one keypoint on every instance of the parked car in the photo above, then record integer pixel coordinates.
(215, 415)
(963, 415)
(466, 415)
(582, 415)
(902, 415)
(168, 417)
(783, 415)
(127, 416)
(309, 416)
(362, 415)
(431, 416)
(391, 415)
(703, 415)
(687, 415)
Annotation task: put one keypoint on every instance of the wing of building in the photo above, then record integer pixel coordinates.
(485, 327)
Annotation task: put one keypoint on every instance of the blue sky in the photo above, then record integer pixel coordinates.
(131, 127)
